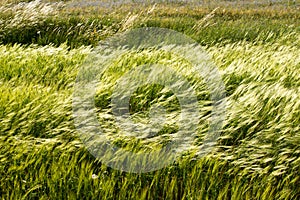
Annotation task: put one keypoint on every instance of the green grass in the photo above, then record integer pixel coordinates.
(256, 157)
(87, 26)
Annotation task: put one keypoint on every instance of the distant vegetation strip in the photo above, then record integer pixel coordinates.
(56, 23)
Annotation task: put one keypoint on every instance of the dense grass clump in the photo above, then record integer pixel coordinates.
(257, 154)
(256, 50)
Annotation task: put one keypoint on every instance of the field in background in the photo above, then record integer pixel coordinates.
(208, 24)
(256, 48)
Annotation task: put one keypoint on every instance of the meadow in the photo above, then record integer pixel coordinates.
(256, 48)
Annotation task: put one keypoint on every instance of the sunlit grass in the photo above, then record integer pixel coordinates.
(256, 157)
(257, 153)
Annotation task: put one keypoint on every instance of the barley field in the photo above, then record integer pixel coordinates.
(255, 46)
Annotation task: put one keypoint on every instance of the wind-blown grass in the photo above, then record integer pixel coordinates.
(255, 48)
(257, 155)
(209, 24)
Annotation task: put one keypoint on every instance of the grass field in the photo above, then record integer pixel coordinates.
(256, 47)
